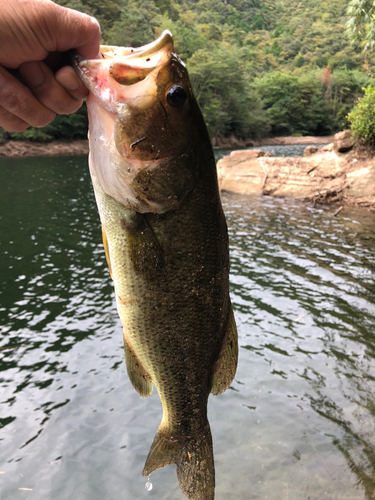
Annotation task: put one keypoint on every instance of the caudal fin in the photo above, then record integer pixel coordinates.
(193, 457)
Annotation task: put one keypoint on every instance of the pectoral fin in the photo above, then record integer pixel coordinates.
(225, 366)
(106, 250)
(144, 248)
(138, 375)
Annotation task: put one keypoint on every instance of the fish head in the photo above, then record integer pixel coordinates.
(150, 121)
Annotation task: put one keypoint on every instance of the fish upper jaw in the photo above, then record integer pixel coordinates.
(126, 73)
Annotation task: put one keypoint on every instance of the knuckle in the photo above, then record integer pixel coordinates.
(93, 26)
(10, 99)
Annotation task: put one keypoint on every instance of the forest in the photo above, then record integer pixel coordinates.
(258, 68)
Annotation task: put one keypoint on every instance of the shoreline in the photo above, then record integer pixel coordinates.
(324, 177)
(21, 149)
(328, 178)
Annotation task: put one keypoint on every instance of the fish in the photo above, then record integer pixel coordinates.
(166, 243)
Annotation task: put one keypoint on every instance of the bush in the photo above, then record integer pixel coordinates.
(362, 117)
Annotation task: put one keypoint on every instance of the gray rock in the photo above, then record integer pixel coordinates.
(310, 150)
(327, 148)
(343, 141)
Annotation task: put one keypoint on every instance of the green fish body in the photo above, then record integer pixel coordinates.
(166, 243)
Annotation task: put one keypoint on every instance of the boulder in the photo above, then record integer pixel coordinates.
(310, 150)
(328, 147)
(343, 141)
(241, 171)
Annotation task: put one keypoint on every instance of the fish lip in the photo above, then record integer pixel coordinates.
(111, 52)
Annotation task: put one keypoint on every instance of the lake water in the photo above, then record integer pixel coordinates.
(290, 150)
(298, 421)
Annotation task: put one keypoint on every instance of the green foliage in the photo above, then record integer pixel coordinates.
(362, 117)
(63, 127)
(299, 60)
(258, 67)
(309, 103)
(134, 26)
(361, 23)
(229, 104)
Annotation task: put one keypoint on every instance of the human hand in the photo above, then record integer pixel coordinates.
(34, 82)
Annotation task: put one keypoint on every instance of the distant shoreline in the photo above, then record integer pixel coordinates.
(19, 149)
(234, 143)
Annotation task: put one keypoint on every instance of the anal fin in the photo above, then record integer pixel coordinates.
(225, 366)
(138, 375)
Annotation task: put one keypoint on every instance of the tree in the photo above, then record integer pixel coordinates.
(230, 106)
(361, 23)
(362, 117)
(134, 26)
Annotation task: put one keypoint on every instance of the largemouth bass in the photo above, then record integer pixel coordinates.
(166, 244)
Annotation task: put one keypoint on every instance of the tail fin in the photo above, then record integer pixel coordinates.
(193, 457)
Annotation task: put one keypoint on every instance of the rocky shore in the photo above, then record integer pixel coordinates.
(54, 148)
(81, 147)
(333, 174)
(233, 142)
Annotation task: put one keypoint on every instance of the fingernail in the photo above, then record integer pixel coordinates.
(69, 81)
(34, 75)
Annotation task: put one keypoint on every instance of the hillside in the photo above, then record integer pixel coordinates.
(258, 68)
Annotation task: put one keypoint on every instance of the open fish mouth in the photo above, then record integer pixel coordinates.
(125, 73)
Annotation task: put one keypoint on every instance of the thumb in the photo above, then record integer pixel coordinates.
(62, 29)
(80, 32)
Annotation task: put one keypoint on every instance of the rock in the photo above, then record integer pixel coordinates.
(310, 150)
(54, 148)
(328, 147)
(241, 171)
(324, 177)
(343, 141)
(243, 155)
(231, 142)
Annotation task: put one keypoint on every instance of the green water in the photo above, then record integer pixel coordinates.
(299, 419)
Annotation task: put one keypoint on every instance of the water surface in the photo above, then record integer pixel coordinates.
(298, 421)
(288, 150)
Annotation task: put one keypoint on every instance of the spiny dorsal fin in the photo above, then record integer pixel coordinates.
(225, 366)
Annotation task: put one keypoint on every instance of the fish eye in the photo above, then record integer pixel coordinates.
(176, 96)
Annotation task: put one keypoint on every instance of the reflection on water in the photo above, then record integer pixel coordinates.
(299, 420)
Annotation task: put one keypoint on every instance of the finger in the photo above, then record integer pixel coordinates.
(20, 102)
(74, 30)
(10, 122)
(42, 83)
(68, 78)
